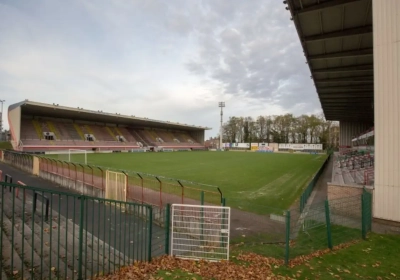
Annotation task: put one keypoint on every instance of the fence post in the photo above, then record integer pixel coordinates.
(220, 195)
(202, 220)
(160, 190)
(34, 202)
(202, 198)
(369, 212)
(223, 201)
(365, 213)
(81, 219)
(167, 226)
(287, 237)
(150, 231)
(328, 224)
(183, 191)
(141, 184)
(363, 226)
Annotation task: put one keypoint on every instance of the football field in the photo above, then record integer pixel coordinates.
(248, 180)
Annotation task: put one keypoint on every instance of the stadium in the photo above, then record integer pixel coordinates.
(269, 198)
(38, 127)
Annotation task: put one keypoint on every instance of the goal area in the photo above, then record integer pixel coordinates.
(74, 155)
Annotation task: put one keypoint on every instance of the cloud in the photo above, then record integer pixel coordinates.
(169, 60)
(256, 55)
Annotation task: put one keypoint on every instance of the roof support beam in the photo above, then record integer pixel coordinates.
(345, 95)
(356, 68)
(353, 104)
(322, 6)
(351, 107)
(340, 34)
(348, 91)
(348, 88)
(358, 79)
(349, 102)
(355, 53)
(344, 116)
(341, 116)
(343, 108)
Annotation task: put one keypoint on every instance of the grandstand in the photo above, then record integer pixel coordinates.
(352, 50)
(40, 127)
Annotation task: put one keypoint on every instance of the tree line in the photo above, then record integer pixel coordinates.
(310, 129)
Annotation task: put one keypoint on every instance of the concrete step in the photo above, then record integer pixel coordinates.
(30, 258)
(11, 265)
(62, 254)
(348, 179)
(360, 177)
(100, 256)
(63, 236)
(38, 239)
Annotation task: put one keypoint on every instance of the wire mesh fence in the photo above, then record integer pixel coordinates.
(295, 233)
(310, 187)
(259, 233)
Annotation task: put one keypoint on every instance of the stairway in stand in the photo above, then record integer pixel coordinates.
(38, 129)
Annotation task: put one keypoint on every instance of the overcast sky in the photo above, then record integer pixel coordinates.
(168, 60)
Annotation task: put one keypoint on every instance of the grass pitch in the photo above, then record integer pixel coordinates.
(248, 180)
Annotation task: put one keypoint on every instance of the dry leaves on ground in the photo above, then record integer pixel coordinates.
(254, 267)
(258, 267)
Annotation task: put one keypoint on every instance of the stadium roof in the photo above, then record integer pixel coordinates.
(57, 111)
(336, 36)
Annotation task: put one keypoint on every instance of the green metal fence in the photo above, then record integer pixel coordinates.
(293, 234)
(328, 224)
(50, 234)
(310, 187)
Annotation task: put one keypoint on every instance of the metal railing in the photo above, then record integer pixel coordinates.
(310, 187)
(66, 235)
(34, 203)
(142, 187)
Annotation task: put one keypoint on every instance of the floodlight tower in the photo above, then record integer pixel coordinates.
(1, 119)
(221, 105)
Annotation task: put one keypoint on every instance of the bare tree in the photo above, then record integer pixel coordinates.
(281, 129)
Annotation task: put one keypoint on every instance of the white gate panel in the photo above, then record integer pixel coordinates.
(200, 232)
(116, 185)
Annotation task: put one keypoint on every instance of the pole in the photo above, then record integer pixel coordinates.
(221, 105)
(1, 120)
(287, 237)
